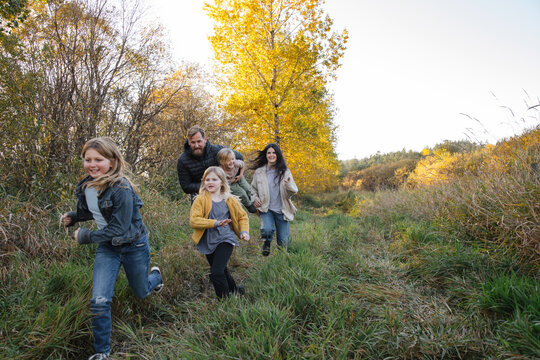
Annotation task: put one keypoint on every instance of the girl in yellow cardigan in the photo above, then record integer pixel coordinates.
(217, 219)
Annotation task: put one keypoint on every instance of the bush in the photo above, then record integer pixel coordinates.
(380, 176)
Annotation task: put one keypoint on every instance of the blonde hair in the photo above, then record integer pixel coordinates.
(225, 190)
(225, 155)
(120, 169)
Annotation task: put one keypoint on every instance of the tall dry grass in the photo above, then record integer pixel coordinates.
(500, 204)
(495, 203)
(32, 229)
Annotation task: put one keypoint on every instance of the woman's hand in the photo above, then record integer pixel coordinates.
(224, 222)
(257, 203)
(287, 180)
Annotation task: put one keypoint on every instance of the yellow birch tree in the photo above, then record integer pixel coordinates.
(274, 59)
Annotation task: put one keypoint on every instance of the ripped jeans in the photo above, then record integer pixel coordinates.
(136, 261)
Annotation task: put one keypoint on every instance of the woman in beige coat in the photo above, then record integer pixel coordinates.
(271, 190)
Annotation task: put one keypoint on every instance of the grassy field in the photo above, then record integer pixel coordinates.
(349, 287)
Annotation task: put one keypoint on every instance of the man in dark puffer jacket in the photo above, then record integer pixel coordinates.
(199, 154)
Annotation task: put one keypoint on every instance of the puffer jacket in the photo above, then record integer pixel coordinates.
(119, 205)
(191, 168)
(260, 190)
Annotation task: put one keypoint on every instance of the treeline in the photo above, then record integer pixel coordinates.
(73, 70)
(392, 170)
(78, 69)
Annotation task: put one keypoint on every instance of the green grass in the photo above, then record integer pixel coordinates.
(365, 287)
(44, 312)
(516, 301)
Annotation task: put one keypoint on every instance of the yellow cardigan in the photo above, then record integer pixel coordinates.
(198, 217)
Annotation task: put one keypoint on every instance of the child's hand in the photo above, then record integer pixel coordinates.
(244, 236)
(257, 203)
(224, 222)
(286, 181)
(65, 219)
(237, 178)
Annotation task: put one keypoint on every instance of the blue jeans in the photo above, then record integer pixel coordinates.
(136, 261)
(271, 221)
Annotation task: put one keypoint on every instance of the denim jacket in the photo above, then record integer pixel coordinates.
(119, 205)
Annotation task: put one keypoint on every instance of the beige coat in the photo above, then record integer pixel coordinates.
(260, 191)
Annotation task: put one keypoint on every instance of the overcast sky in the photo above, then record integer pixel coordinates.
(416, 72)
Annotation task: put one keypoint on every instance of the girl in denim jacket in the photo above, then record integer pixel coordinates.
(106, 195)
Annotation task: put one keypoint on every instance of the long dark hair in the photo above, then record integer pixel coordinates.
(261, 160)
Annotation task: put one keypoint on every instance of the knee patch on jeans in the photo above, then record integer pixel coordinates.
(99, 305)
(99, 300)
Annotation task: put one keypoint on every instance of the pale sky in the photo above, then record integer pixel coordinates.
(414, 71)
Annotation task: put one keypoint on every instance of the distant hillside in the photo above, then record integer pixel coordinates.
(351, 165)
(392, 170)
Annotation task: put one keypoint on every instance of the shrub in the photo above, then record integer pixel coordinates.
(380, 176)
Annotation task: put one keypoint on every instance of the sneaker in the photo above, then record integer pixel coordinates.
(266, 248)
(99, 356)
(159, 286)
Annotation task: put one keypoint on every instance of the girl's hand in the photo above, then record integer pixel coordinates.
(65, 219)
(244, 236)
(257, 203)
(75, 234)
(224, 222)
(236, 179)
(286, 181)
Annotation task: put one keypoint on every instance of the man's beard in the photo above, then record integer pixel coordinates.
(198, 152)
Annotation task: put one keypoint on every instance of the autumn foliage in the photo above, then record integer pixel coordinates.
(488, 195)
(274, 59)
(390, 175)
